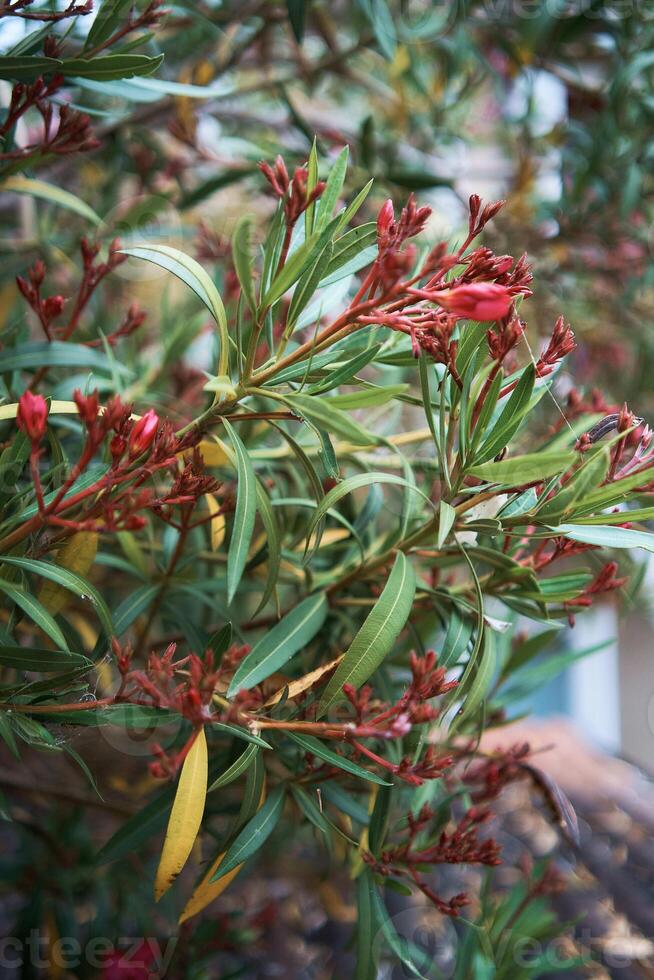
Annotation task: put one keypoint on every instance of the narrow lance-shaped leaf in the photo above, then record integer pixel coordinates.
(333, 188)
(192, 273)
(185, 816)
(377, 635)
(70, 580)
(77, 555)
(242, 255)
(51, 193)
(319, 749)
(246, 507)
(607, 537)
(524, 469)
(238, 767)
(281, 643)
(36, 611)
(255, 833)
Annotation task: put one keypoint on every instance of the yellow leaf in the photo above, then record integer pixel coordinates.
(217, 522)
(77, 555)
(304, 683)
(213, 453)
(185, 816)
(208, 890)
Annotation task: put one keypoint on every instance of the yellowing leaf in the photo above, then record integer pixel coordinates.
(76, 555)
(213, 453)
(185, 816)
(208, 890)
(304, 683)
(217, 522)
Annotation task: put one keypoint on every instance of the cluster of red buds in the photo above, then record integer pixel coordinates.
(49, 308)
(425, 304)
(185, 686)
(460, 845)
(605, 581)
(19, 8)
(138, 448)
(63, 131)
(487, 777)
(294, 193)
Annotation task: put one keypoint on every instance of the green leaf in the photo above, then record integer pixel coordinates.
(103, 68)
(355, 483)
(53, 194)
(281, 643)
(510, 418)
(242, 256)
(106, 20)
(71, 581)
(321, 413)
(297, 13)
(255, 833)
(606, 536)
(244, 515)
(241, 765)
(332, 191)
(480, 684)
(237, 732)
(273, 543)
(111, 66)
(139, 829)
(317, 748)
(446, 519)
(524, 469)
(297, 262)
(45, 661)
(377, 635)
(307, 286)
(368, 397)
(37, 612)
(56, 353)
(379, 819)
(310, 810)
(366, 948)
(192, 273)
(312, 180)
(396, 943)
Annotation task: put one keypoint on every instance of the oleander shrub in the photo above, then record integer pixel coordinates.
(277, 556)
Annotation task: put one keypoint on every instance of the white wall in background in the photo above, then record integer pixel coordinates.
(594, 681)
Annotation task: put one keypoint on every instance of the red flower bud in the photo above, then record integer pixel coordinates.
(87, 405)
(32, 415)
(53, 306)
(143, 433)
(477, 301)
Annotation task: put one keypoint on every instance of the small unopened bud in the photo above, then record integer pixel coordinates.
(37, 273)
(32, 416)
(87, 405)
(53, 306)
(385, 218)
(143, 433)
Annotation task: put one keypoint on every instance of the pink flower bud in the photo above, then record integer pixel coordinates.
(385, 218)
(477, 301)
(32, 415)
(143, 433)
